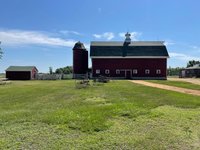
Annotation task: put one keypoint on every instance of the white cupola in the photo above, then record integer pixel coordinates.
(128, 38)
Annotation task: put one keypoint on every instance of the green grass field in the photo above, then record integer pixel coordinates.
(2, 75)
(116, 115)
(181, 84)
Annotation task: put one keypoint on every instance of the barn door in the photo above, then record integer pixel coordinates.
(128, 74)
(183, 73)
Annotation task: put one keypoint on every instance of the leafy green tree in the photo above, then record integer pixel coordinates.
(64, 70)
(50, 70)
(173, 71)
(192, 63)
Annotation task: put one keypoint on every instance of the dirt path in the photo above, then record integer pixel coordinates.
(167, 87)
(193, 81)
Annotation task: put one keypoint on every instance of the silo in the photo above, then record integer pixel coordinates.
(80, 60)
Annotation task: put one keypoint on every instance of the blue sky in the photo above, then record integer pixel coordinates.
(43, 32)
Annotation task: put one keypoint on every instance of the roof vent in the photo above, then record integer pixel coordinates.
(128, 38)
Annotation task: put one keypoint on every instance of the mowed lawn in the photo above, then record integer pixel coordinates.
(116, 115)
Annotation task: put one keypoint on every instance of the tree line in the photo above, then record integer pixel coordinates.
(173, 71)
(64, 70)
(192, 63)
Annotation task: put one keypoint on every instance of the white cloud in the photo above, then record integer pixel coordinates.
(168, 42)
(67, 32)
(87, 46)
(20, 37)
(134, 35)
(195, 48)
(181, 56)
(106, 35)
(98, 36)
(99, 10)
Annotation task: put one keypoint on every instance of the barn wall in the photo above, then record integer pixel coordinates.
(18, 75)
(34, 72)
(189, 73)
(124, 65)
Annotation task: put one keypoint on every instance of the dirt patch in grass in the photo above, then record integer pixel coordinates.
(167, 87)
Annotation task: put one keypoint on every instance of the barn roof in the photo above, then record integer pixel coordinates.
(197, 66)
(20, 68)
(135, 48)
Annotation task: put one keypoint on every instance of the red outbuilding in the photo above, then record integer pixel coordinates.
(129, 59)
(21, 72)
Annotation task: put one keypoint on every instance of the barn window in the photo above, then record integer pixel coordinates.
(107, 71)
(147, 71)
(135, 71)
(158, 71)
(97, 71)
(117, 71)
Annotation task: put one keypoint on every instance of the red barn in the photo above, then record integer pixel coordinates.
(21, 72)
(129, 59)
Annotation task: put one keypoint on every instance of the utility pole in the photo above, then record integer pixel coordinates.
(1, 52)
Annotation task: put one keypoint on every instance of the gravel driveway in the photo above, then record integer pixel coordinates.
(167, 87)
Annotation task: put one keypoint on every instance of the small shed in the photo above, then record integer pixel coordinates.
(21, 72)
(190, 72)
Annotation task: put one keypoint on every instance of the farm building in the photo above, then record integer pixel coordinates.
(21, 72)
(129, 59)
(126, 59)
(190, 72)
(80, 60)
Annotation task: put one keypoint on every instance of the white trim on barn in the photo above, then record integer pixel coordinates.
(97, 57)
